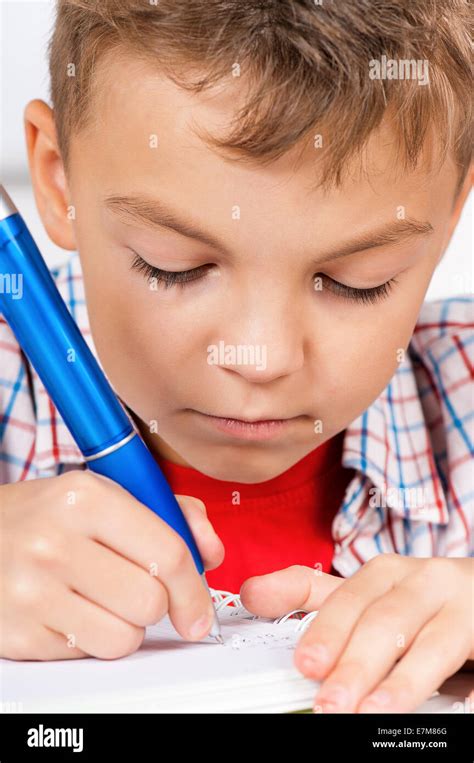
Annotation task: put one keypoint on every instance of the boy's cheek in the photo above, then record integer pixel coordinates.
(357, 373)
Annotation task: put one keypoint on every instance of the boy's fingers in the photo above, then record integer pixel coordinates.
(191, 504)
(332, 628)
(129, 528)
(296, 587)
(380, 637)
(399, 692)
(33, 641)
(114, 583)
(208, 542)
(91, 628)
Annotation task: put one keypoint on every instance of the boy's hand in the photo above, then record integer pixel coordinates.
(85, 567)
(384, 639)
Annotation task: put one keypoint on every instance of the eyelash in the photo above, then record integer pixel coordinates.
(365, 296)
(168, 277)
(182, 277)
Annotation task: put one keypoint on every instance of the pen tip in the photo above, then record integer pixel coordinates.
(219, 639)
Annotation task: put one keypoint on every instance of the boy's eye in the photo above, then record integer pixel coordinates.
(367, 296)
(182, 277)
(168, 277)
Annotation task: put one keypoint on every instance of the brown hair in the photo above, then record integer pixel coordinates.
(307, 63)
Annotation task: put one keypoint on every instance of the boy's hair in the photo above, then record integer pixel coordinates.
(306, 63)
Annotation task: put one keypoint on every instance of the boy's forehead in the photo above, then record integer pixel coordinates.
(148, 128)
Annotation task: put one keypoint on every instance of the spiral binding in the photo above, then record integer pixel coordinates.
(233, 601)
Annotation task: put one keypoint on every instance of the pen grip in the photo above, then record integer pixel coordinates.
(134, 468)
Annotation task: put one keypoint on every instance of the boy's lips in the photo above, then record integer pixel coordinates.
(246, 429)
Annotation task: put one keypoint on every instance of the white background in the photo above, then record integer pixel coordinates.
(25, 27)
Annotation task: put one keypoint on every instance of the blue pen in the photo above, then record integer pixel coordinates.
(47, 333)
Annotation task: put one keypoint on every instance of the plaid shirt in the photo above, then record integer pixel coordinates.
(412, 492)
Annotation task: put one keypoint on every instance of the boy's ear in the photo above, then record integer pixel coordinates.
(47, 173)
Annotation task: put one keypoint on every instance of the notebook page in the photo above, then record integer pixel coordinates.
(252, 670)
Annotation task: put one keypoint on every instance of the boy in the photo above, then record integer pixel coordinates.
(258, 209)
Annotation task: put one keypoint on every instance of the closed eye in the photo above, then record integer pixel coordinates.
(168, 277)
(182, 277)
(366, 296)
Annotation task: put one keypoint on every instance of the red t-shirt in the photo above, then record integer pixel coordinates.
(273, 524)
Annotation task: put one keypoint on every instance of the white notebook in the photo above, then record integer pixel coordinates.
(251, 672)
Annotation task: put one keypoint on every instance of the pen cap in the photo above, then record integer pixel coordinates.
(49, 336)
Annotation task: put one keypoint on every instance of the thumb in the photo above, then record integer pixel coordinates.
(295, 587)
(208, 542)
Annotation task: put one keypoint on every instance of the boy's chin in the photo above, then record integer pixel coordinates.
(247, 468)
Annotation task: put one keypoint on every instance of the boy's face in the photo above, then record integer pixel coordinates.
(320, 357)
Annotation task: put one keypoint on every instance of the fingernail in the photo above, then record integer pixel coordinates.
(313, 657)
(201, 626)
(379, 698)
(333, 698)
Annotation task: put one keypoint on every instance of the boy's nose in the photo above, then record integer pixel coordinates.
(263, 352)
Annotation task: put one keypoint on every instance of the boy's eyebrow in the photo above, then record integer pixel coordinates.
(153, 213)
(394, 232)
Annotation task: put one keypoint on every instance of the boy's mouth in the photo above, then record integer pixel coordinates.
(245, 429)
